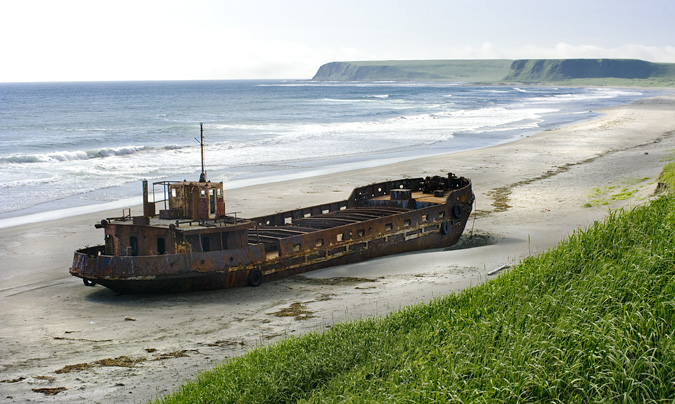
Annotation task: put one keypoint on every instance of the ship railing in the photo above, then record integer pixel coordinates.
(126, 215)
(218, 222)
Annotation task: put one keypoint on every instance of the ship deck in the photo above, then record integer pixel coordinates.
(419, 196)
(310, 224)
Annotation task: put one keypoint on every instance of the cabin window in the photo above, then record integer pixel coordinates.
(319, 242)
(161, 246)
(212, 201)
(407, 222)
(133, 245)
(220, 192)
(206, 243)
(340, 237)
(308, 214)
(441, 215)
(202, 194)
(288, 220)
(425, 218)
(388, 227)
(360, 232)
(173, 192)
(296, 247)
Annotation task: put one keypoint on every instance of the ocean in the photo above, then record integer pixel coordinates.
(70, 148)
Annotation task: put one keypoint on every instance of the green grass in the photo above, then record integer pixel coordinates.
(592, 320)
(667, 175)
(605, 195)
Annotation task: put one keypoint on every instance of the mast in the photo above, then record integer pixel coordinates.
(202, 177)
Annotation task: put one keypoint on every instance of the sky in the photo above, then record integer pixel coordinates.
(100, 40)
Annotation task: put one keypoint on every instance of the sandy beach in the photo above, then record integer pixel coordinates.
(64, 342)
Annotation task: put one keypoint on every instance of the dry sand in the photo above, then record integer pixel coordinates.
(90, 345)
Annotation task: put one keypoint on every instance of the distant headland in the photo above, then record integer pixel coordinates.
(600, 72)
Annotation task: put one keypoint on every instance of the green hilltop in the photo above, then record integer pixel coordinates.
(610, 72)
(415, 70)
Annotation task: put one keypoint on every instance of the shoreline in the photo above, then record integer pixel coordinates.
(127, 194)
(530, 195)
(337, 166)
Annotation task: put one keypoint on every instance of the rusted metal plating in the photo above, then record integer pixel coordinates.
(183, 250)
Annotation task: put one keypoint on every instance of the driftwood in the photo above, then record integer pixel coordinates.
(499, 268)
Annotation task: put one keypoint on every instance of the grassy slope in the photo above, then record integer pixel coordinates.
(591, 320)
(583, 72)
(667, 175)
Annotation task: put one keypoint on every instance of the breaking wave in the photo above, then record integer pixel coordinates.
(62, 156)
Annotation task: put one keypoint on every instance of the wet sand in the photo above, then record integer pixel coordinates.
(63, 342)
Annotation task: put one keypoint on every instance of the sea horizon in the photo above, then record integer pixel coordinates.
(69, 148)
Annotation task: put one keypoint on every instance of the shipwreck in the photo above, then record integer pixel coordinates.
(185, 240)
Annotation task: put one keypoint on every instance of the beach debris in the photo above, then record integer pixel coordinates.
(121, 361)
(498, 269)
(224, 342)
(501, 197)
(15, 380)
(175, 354)
(272, 335)
(74, 368)
(81, 339)
(129, 319)
(50, 391)
(296, 309)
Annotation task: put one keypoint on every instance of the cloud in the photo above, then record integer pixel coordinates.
(662, 54)
(488, 50)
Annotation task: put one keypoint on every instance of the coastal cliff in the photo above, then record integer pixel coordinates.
(537, 70)
(629, 72)
(415, 70)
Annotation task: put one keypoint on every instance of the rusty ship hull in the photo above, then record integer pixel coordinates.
(193, 245)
